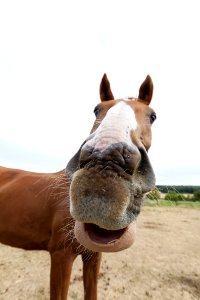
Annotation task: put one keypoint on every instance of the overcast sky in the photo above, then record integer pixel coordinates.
(53, 55)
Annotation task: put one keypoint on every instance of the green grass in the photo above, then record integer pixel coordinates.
(168, 203)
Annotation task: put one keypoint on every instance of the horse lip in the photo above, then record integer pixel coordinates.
(123, 163)
(117, 241)
(112, 169)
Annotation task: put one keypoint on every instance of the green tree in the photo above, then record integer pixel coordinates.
(196, 196)
(154, 194)
(173, 196)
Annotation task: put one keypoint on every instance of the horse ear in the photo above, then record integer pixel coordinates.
(105, 90)
(146, 91)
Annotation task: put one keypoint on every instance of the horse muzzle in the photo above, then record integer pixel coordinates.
(106, 195)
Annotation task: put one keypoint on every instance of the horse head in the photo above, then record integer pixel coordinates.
(111, 172)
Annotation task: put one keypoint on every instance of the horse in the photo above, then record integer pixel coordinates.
(92, 205)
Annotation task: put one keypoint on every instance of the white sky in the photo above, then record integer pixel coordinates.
(53, 55)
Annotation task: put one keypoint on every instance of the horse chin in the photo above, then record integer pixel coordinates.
(98, 239)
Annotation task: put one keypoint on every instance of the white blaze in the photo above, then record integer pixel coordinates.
(115, 127)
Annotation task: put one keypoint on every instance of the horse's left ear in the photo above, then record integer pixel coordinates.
(146, 91)
(105, 90)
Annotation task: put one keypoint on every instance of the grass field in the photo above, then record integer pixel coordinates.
(168, 203)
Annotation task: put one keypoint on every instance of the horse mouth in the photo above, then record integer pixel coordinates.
(100, 235)
(98, 239)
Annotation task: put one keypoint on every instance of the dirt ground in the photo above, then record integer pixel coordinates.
(164, 263)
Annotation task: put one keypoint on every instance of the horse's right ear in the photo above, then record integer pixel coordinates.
(105, 90)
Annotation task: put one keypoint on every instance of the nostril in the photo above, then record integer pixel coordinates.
(85, 156)
(132, 158)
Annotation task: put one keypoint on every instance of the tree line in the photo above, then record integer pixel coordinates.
(182, 189)
(175, 194)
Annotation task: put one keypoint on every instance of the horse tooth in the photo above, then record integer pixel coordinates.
(112, 241)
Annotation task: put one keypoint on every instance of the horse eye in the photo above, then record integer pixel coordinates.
(152, 117)
(96, 111)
